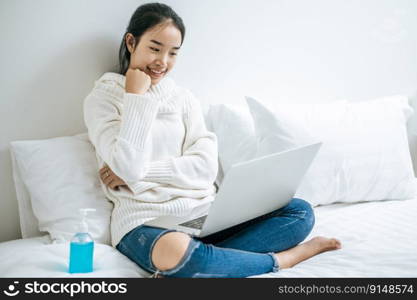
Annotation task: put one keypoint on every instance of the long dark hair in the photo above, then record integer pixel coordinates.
(145, 17)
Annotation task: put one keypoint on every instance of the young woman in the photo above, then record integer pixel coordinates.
(157, 158)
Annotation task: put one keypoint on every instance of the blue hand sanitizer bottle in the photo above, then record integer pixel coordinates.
(82, 247)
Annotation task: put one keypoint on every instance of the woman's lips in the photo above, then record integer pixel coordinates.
(155, 75)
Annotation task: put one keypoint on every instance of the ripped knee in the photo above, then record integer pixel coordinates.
(169, 249)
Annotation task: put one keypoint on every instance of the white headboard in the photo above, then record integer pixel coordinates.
(301, 50)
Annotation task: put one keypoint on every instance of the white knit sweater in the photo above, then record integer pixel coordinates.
(158, 144)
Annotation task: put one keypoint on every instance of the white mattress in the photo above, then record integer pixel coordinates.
(37, 257)
(379, 239)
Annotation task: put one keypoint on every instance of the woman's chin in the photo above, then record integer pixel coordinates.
(155, 81)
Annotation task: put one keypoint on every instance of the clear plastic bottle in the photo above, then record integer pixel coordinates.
(82, 247)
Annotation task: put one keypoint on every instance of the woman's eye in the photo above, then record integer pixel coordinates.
(157, 50)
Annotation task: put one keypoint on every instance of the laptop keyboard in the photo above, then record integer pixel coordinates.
(195, 223)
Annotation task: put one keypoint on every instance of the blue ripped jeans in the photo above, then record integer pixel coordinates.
(240, 251)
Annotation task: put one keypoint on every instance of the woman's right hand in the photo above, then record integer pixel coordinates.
(137, 81)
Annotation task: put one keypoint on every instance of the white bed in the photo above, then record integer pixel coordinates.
(379, 236)
(379, 240)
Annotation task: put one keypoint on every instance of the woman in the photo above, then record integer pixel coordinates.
(157, 158)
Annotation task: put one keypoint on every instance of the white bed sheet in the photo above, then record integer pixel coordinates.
(379, 239)
(38, 257)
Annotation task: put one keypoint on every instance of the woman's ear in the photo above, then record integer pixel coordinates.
(130, 42)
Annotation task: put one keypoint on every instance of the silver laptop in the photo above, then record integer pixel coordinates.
(248, 190)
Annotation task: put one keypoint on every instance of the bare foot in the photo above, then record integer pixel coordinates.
(316, 245)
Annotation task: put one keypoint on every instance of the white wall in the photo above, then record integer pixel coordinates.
(301, 50)
(277, 50)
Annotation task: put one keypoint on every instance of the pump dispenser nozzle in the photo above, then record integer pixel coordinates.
(83, 224)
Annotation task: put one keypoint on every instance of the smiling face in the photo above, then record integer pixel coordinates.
(156, 52)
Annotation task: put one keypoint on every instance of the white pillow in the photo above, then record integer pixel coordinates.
(364, 156)
(61, 176)
(234, 129)
(276, 132)
(28, 222)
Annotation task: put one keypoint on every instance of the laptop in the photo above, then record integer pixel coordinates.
(248, 190)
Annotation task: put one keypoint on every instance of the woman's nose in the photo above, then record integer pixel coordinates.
(162, 60)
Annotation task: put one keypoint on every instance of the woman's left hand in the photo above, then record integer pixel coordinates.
(109, 178)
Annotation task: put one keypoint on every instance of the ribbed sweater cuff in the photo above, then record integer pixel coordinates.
(139, 186)
(138, 114)
(159, 171)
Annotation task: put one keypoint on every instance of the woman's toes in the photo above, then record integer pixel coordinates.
(325, 244)
(335, 244)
